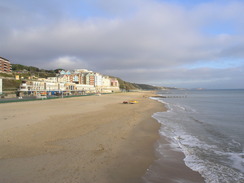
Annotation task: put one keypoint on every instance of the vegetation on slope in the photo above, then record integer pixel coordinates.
(11, 84)
(124, 85)
(27, 71)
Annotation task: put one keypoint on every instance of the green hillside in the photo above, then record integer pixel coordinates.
(27, 71)
(124, 85)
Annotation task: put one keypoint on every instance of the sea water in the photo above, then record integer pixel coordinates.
(208, 127)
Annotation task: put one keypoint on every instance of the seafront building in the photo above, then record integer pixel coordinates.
(5, 65)
(80, 81)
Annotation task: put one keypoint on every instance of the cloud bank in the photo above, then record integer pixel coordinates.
(154, 42)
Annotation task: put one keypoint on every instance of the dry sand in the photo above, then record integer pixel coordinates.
(83, 140)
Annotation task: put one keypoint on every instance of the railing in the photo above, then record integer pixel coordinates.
(41, 98)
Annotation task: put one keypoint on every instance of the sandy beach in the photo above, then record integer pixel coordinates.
(84, 140)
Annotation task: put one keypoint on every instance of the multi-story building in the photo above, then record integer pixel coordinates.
(5, 65)
(90, 79)
(52, 79)
(32, 86)
(82, 78)
(98, 80)
(114, 82)
(106, 81)
(74, 78)
(85, 88)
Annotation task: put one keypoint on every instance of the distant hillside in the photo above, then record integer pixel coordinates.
(124, 85)
(148, 87)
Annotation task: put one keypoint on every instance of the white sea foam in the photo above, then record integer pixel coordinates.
(212, 172)
(238, 161)
(162, 101)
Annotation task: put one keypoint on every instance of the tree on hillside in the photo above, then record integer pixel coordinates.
(58, 70)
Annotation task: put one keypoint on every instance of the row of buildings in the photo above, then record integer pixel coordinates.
(5, 65)
(79, 81)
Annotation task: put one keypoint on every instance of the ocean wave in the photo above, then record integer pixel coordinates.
(218, 158)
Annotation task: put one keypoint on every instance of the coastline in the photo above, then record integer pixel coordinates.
(88, 139)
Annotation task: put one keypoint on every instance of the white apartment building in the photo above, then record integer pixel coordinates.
(85, 88)
(106, 81)
(52, 79)
(98, 80)
(51, 86)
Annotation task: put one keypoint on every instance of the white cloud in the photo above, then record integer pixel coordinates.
(155, 39)
(66, 62)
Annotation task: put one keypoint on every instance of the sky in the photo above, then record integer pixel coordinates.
(174, 43)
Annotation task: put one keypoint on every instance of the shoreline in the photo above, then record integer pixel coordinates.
(87, 139)
(169, 165)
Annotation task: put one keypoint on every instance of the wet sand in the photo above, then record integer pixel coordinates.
(82, 140)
